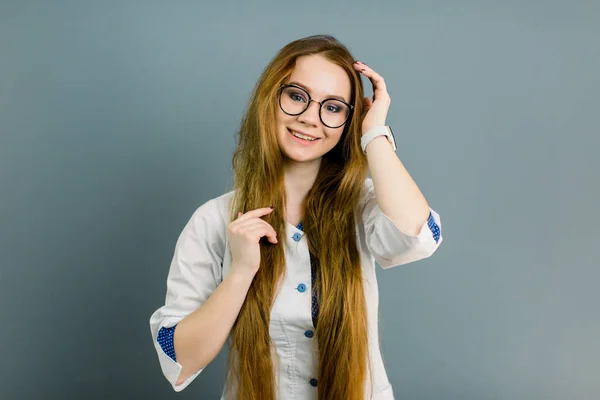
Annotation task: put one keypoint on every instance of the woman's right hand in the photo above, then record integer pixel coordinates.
(244, 234)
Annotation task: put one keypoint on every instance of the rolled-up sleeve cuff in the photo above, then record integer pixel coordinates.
(391, 246)
(171, 369)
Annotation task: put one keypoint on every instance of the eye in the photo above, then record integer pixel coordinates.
(297, 96)
(332, 108)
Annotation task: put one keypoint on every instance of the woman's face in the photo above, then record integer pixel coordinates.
(322, 79)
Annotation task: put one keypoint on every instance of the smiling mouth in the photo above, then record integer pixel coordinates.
(302, 137)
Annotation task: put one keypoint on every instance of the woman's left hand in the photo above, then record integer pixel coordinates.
(375, 110)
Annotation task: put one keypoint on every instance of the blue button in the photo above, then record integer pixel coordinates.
(302, 288)
(297, 237)
(313, 382)
(309, 334)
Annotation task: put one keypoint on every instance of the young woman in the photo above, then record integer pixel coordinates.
(284, 265)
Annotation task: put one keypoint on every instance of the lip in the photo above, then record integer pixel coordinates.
(304, 133)
(302, 142)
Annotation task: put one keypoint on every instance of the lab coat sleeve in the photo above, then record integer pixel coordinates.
(194, 273)
(387, 243)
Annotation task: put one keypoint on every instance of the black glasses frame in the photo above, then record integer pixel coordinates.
(283, 86)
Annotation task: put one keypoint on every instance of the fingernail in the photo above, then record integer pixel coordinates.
(357, 62)
(271, 207)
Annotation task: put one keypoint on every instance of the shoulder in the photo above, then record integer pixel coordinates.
(214, 213)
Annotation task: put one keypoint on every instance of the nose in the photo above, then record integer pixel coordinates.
(311, 114)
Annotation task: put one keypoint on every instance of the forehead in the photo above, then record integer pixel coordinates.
(321, 77)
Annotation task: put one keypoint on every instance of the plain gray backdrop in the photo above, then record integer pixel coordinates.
(118, 120)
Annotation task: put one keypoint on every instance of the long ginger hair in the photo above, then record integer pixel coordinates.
(329, 224)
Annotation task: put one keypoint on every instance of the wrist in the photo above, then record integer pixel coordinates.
(380, 139)
(374, 133)
(242, 273)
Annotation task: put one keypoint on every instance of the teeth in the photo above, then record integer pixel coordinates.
(301, 136)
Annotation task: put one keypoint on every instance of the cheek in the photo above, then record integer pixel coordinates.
(282, 118)
(334, 134)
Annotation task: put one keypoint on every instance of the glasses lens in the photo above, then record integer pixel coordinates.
(334, 113)
(294, 101)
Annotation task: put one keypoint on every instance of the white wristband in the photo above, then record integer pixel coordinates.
(377, 131)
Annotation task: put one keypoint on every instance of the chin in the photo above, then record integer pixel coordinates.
(301, 159)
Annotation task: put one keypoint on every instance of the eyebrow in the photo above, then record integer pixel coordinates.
(329, 96)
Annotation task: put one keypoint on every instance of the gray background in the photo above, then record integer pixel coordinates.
(117, 120)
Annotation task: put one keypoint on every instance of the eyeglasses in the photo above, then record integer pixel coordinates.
(294, 100)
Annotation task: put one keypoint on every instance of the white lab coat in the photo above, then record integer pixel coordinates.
(202, 258)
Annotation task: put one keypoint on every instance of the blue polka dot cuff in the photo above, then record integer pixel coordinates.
(435, 229)
(165, 340)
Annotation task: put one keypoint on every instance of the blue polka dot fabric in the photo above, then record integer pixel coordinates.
(315, 302)
(165, 340)
(435, 229)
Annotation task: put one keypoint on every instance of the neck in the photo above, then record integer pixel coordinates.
(299, 178)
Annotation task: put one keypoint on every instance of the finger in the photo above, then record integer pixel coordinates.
(259, 231)
(259, 212)
(253, 224)
(242, 227)
(379, 86)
